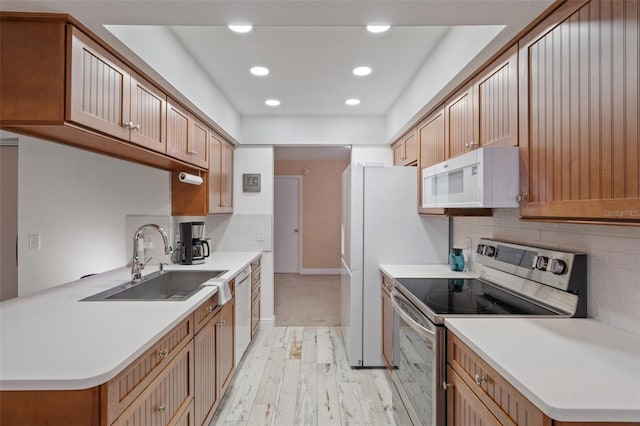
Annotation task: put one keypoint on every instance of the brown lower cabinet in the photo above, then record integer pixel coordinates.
(478, 395)
(178, 381)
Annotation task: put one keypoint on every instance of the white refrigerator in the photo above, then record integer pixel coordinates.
(380, 225)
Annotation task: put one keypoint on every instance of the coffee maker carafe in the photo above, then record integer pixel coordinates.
(192, 243)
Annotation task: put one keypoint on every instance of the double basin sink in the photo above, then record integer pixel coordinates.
(161, 285)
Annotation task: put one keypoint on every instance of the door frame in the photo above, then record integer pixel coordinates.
(298, 179)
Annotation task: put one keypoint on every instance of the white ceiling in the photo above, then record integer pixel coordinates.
(310, 67)
(310, 46)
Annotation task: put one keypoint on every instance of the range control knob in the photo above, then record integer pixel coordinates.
(542, 262)
(489, 251)
(557, 266)
(480, 248)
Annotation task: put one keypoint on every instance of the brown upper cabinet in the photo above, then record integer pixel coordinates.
(187, 137)
(220, 176)
(405, 150)
(579, 97)
(62, 83)
(108, 97)
(485, 111)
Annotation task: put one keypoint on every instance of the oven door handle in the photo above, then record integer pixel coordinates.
(431, 335)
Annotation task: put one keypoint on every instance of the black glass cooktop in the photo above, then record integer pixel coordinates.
(468, 297)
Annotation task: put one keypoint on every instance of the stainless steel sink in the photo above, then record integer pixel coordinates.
(167, 285)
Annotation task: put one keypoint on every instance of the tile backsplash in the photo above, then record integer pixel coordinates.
(613, 257)
(238, 232)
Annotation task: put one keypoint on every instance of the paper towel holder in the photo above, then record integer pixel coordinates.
(185, 177)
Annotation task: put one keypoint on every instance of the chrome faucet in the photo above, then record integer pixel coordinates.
(136, 264)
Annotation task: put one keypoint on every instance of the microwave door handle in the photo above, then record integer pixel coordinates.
(417, 327)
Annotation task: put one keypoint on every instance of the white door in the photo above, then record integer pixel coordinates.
(286, 212)
(8, 221)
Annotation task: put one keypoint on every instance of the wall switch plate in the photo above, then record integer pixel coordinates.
(260, 235)
(34, 241)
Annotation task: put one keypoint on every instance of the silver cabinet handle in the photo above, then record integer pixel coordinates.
(129, 125)
(521, 197)
(163, 353)
(163, 409)
(136, 127)
(193, 152)
(209, 309)
(480, 380)
(446, 385)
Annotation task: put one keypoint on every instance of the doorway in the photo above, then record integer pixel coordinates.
(287, 224)
(8, 219)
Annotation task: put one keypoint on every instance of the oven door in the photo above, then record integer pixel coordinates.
(420, 367)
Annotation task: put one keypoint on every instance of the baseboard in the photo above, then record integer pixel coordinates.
(268, 321)
(307, 271)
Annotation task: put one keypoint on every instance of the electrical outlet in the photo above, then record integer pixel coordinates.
(34, 241)
(260, 235)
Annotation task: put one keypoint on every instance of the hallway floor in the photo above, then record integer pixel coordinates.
(300, 376)
(307, 300)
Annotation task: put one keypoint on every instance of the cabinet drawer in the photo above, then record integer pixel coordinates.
(463, 406)
(204, 312)
(165, 399)
(504, 401)
(126, 386)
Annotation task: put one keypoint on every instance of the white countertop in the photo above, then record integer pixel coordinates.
(49, 340)
(424, 271)
(571, 369)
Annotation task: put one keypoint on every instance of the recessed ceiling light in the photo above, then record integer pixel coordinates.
(259, 71)
(240, 28)
(272, 102)
(377, 28)
(362, 71)
(352, 102)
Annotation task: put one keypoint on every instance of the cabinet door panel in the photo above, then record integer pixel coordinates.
(177, 132)
(579, 113)
(464, 408)
(459, 123)
(226, 344)
(198, 144)
(100, 88)
(215, 174)
(398, 154)
(410, 148)
(148, 114)
(206, 391)
(166, 396)
(497, 102)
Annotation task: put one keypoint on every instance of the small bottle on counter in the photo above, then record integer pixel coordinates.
(456, 259)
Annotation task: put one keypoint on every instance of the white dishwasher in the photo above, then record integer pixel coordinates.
(243, 312)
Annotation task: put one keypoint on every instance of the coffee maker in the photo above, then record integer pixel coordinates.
(192, 243)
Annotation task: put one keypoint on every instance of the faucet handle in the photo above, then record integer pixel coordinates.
(143, 264)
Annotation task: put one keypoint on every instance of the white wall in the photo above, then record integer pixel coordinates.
(313, 130)
(613, 258)
(454, 52)
(159, 48)
(77, 202)
(376, 154)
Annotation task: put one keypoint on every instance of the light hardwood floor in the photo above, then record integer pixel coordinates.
(300, 376)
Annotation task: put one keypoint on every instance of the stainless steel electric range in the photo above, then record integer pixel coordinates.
(514, 280)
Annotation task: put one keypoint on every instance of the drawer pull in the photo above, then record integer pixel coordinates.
(163, 353)
(209, 309)
(480, 380)
(163, 409)
(446, 385)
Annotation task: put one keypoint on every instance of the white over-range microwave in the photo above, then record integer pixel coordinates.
(483, 178)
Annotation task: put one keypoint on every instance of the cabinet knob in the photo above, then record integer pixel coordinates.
(521, 197)
(136, 127)
(193, 152)
(209, 309)
(163, 353)
(480, 380)
(162, 409)
(129, 125)
(446, 385)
